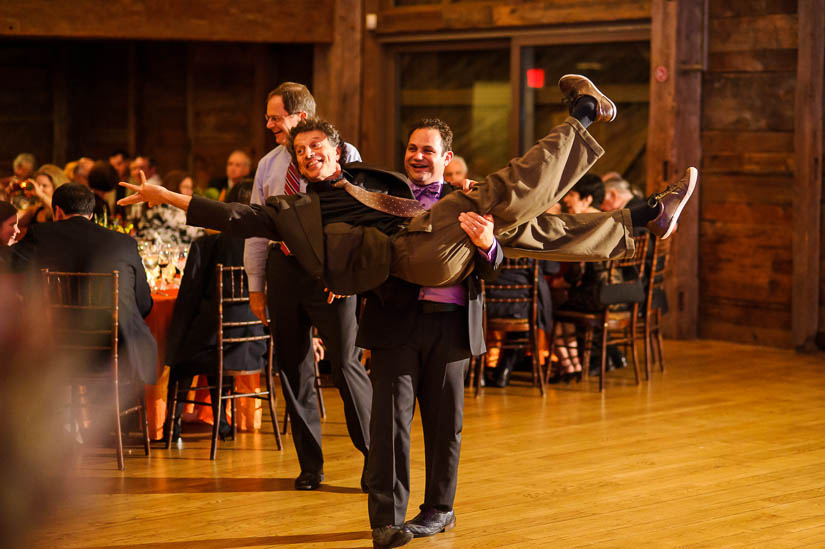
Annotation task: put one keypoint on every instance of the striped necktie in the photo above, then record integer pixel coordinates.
(292, 183)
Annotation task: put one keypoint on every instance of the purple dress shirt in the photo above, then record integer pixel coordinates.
(428, 195)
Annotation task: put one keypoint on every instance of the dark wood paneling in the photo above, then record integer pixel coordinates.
(748, 101)
(492, 15)
(807, 188)
(215, 20)
(749, 170)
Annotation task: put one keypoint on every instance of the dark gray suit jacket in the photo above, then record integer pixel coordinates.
(79, 245)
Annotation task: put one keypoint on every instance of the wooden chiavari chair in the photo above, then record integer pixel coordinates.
(82, 313)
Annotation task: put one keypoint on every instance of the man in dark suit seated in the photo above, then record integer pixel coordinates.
(73, 243)
(192, 346)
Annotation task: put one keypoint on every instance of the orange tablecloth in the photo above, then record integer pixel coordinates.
(159, 321)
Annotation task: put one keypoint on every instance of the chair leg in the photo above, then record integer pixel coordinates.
(584, 357)
(537, 374)
(659, 344)
(634, 326)
(604, 354)
(171, 406)
(118, 434)
(648, 344)
(217, 409)
(143, 418)
(471, 373)
(234, 411)
(272, 397)
(286, 422)
(273, 414)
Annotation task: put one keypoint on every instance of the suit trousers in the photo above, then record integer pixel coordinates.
(419, 369)
(296, 304)
(435, 251)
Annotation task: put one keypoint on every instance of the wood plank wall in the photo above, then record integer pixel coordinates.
(746, 260)
(188, 104)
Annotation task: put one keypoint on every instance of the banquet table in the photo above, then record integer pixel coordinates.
(249, 410)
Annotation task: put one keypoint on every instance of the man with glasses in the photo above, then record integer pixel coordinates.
(297, 302)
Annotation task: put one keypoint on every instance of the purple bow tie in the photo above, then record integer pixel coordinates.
(433, 190)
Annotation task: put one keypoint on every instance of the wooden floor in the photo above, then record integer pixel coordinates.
(726, 448)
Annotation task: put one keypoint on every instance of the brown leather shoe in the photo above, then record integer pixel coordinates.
(671, 202)
(574, 85)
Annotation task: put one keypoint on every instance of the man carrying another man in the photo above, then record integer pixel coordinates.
(353, 239)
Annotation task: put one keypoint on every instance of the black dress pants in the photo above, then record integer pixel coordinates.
(428, 367)
(296, 304)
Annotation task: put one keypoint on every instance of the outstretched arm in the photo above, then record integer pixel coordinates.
(153, 194)
(232, 218)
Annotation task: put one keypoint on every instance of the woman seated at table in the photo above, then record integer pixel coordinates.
(192, 346)
(47, 178)
(166, 224)
(584, 278)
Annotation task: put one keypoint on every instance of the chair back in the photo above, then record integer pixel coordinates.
(82, 312)
(233, 290)
(503, 292)
(658, 268)
(634, 265)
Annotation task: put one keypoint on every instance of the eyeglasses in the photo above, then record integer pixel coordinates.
(276, 119)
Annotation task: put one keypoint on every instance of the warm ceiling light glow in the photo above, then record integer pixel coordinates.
(535, 78)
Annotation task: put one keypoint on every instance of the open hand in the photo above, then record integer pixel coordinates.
(151, 194)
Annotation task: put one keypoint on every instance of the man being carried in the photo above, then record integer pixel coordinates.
(353, 239)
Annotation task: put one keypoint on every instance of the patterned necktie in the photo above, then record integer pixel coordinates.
(292, 183)
(393, 205)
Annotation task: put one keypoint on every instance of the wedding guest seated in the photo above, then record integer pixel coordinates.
(102, 180)
(47, 178)
(166, 224)
(238, 166)
(75, 244)
(22, 167)
(456, 172)
(80, 174)
(502, 361)
(584, 279)
(192, 346)
(8, 233)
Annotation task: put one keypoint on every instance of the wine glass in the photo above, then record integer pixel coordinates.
(180, 258)
(163, 263)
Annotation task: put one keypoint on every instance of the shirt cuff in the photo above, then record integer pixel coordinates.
(490, 254)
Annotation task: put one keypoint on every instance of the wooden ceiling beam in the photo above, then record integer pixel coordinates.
(284, 21)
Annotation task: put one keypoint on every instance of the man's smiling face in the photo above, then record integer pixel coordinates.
(317, 157)
(425, 159)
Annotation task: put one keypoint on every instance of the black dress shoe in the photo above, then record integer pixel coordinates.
(308, 481)
(390, 536)
(225, 432)
(430, 522)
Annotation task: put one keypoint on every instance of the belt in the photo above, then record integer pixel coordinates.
(436, 307)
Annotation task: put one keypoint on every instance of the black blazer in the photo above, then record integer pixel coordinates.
(192, 344)
(79, 245)
(392, 308)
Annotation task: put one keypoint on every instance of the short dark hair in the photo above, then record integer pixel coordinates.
(296, 98)
(311, 125)
(103, 177)
(435, 124)
(74, 198)
(119, 152)
(590, 185)
(241, 192)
